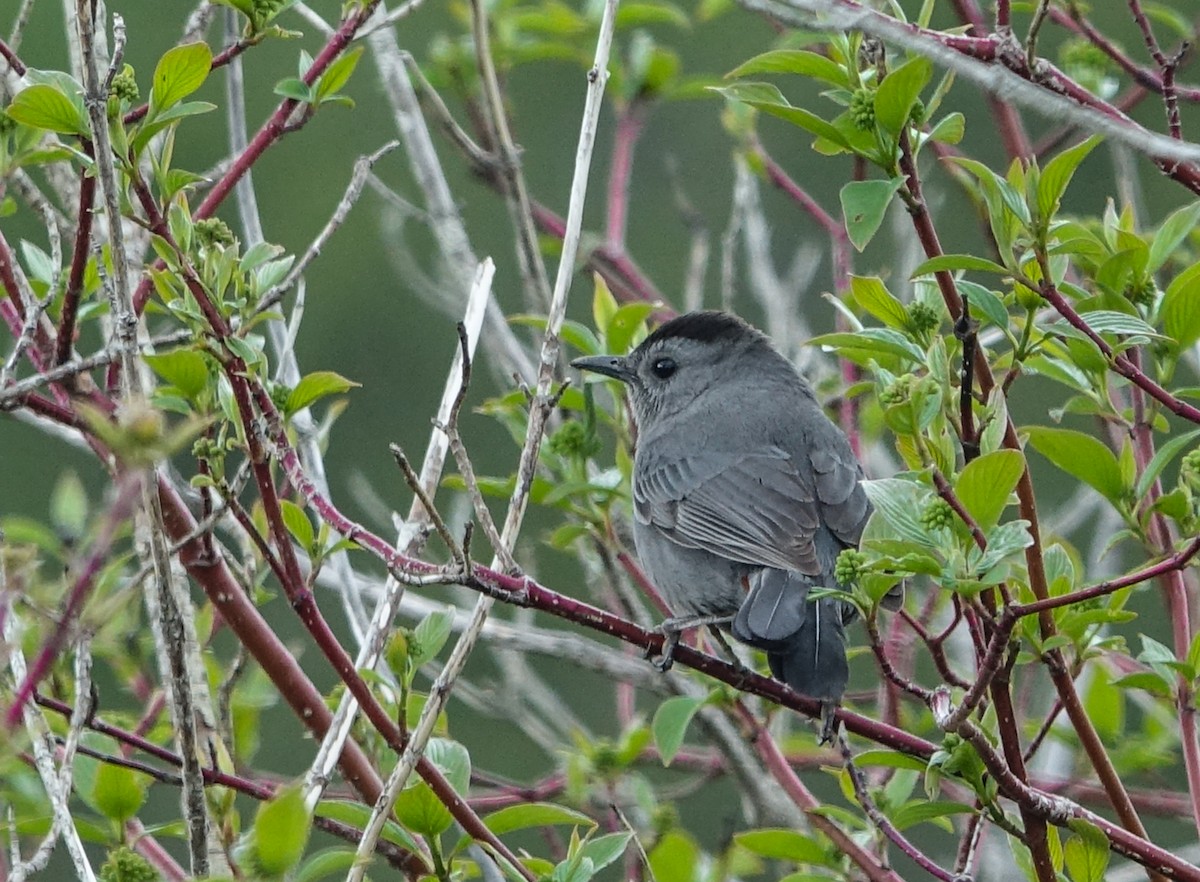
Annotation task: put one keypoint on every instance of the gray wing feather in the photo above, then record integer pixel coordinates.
(754, 508)
(844, 503)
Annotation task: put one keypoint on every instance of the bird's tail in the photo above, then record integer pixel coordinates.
(805, 640)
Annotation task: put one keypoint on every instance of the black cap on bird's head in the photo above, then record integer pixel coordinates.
(686, 357)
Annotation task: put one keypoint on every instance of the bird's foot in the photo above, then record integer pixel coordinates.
(829, 723)
(672, 629)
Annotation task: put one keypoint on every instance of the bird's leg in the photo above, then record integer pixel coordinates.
(829, 722)
(673, 627)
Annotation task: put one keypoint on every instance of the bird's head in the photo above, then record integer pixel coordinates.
(698, 355)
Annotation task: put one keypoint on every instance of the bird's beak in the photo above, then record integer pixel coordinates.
(610, 365)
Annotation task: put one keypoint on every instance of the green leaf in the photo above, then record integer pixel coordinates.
(872, 341)
(1173, 232)
(534, 814)
(1107, 321)
(873, 296)
(986, 482)
(316, 386)
(918, 812)
(670, 723)
(952, 262)
(44, 106)
(280, 832)
(793, 61)
(296, 89)
(899, 503)
(326, 862)
(185, 369)
(1057, 175)
(949, 129)
(430, 635)
(69, 506)
(603, 850)
(864, 204)
(768, 98)
(784, 845)
(1082, 457)
(898, 92)
(622, 329)
(358, 815)
(180, 72)
(298, 525)
(1162, 457)
(338, 73)
(418, 809)
(1180, 311)
(984, 302)
(119, 792)
(1087, 852)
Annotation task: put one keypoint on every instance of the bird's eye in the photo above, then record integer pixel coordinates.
(663, 367)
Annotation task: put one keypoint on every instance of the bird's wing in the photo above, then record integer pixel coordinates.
(755, 508)
(843, 502)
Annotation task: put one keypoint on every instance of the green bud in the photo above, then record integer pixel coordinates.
(923, 317)
(124, 86)
(848, 566)
(212, 231)
(1142, 293)
(574, 441)
(898, 391)
(126, 865)
(862, 108)
(938, 514)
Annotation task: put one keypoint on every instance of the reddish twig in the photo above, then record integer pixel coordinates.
(79, 258)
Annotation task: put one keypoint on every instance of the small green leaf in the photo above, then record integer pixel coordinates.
(44, 106)
(119, 792)
(671, 722)
(338, 73)
(280, 832)
(419, 810)
(792, 61)
(864, 204)
(1082, 457)
(621, 332)
(872, 295)
(1057, 175)
(783, 845)
(298, 525)
(316, 386)
(918, 812)
(949, 129)
(430, 635)
(1087, 852)
(1180, 311)
(984, 302)
(986, 482)
(534, 814)
(1173, 232)
(69, 506)
(185, 369)
(898, 92)
(952, 262)
(768, 98)
(180, 72)
(358, 815)
(1162, 457)
(296, 89)
(603, 850)
(872, 342)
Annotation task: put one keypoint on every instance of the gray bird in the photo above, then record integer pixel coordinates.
(744, 494)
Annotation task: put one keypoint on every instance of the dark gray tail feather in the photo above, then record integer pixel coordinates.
(774, 609)
(813, 662)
